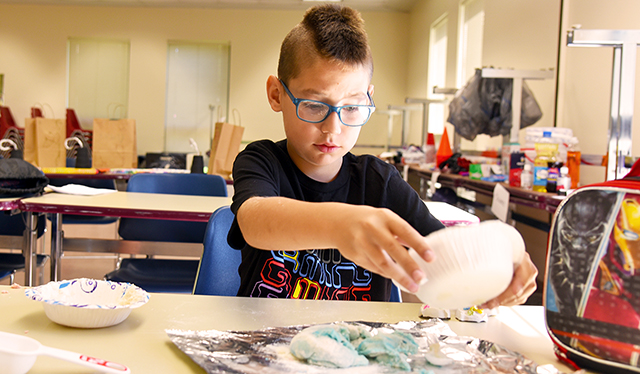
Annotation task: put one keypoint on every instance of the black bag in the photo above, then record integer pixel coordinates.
(19, 178)
(483, 106)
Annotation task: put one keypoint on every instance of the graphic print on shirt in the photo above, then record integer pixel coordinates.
(312, 274)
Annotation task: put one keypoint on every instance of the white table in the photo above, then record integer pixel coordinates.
(450, 215)
(116, 204)
(141, 343)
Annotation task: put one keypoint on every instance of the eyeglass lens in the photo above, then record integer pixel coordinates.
(314, 111)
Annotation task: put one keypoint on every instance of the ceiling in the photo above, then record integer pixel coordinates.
(362, 5)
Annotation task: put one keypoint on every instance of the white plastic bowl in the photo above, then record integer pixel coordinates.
(88, 303)
(473, 264)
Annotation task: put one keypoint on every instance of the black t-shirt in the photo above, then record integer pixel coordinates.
(264, 168)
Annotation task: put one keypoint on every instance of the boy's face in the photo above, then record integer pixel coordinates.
(317, 148)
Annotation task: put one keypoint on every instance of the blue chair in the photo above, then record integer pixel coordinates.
(218, 270)
(165, 275)
(14, 225)
(396, 295)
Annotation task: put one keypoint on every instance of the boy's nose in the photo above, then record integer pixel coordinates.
(331, 124)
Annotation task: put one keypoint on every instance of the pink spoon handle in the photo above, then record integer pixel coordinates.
(80, 359)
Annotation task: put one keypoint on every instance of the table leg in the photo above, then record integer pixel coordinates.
(56, 246)
(29, 250)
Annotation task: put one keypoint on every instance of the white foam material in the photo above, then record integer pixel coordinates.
(473, 264)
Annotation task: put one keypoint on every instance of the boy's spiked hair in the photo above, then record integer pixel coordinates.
(331, 32)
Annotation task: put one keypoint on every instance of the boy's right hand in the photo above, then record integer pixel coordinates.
(376, 239)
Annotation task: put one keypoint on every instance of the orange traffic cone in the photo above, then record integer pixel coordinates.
(444, 150)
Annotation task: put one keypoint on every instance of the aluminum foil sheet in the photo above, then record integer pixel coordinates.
(267, 351)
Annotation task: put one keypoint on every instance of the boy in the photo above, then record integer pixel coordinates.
(312, 219)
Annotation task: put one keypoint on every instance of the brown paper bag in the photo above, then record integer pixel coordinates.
(224, 148)
(114, 143)
(44, 142)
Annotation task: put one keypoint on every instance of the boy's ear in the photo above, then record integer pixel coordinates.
(371, 90)
(274, 90)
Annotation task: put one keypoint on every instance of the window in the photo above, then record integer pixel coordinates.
(98, 72)
(437, 73)
(470, 39)
(197, 93)
(470, 58)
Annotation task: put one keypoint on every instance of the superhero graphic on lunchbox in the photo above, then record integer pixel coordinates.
(593, 291)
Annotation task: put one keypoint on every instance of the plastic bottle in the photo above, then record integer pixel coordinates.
(515, 168)
(430, 149)
(515, 176)
(564, 181)
(505, 158)
(573, 164)
(553, 173)
(526, 177)
(545, 153)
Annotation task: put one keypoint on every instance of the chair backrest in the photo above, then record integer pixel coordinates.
(177, 184)
(218, 270)
(396, 295)
(72, 121)
(6, 119)
(14, 225)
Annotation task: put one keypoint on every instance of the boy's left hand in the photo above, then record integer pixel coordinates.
(522, 286)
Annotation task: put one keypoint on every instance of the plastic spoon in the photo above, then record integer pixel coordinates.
(18, 354)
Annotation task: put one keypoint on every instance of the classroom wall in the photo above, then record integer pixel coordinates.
(423, 15)
(518, 34)
(584, 93)
(33, 59)
(523, 34)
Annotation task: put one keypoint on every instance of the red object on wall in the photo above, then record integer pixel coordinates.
(74, 129)
(36, 112)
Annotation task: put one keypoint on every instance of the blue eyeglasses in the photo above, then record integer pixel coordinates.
(316, 111)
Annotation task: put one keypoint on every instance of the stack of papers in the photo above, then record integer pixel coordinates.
(78, 189)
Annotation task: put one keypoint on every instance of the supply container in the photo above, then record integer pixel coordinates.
(475, 171)
(517, 162)
(526, 178)
(507, 151)
(430, 149)
(546, 152)
(553, 175)
(574, 158)
(564, 182)
(559, 135)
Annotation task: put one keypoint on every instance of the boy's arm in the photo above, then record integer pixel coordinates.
(373, 238)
